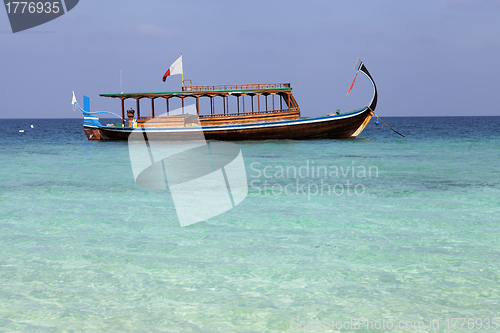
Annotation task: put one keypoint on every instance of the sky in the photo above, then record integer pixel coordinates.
(428, 58)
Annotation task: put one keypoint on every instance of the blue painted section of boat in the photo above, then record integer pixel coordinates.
(88, 120)
(86, 103)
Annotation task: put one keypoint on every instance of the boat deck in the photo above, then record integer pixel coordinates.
(285, 108)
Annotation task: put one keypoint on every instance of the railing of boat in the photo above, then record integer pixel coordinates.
(248, 113)
(236, 87)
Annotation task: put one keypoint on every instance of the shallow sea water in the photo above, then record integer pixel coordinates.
(83, 249)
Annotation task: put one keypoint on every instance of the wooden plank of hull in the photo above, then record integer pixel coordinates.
(218, 120)
(94, 133)
(103, 134)
(173, 121)
(335, 128)
(249, 118)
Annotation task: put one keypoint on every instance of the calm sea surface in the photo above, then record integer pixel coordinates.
(380, 227)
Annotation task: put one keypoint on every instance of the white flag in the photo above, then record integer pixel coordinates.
(175, 68)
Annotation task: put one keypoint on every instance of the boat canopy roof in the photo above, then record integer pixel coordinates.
(212, 90)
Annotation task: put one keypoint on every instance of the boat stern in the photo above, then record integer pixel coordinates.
(93, 133)
(91, 124)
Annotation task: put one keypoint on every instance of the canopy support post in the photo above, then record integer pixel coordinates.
(123, 111)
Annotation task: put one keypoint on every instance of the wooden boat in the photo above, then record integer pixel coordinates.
(284, 122)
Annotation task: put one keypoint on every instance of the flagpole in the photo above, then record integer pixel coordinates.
(182, 85)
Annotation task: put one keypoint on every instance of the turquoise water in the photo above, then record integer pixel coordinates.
(84, 249)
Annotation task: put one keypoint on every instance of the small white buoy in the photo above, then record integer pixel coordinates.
(32, 126)
(21, 131)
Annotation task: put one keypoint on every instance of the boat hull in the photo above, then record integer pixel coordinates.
(334, 127)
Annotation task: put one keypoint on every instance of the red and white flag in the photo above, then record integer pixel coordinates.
(176, 68)
(352, 84)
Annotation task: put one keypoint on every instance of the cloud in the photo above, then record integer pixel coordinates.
(153, 30)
